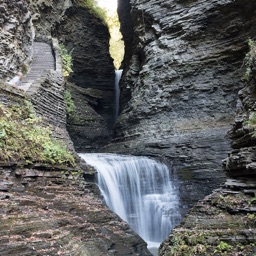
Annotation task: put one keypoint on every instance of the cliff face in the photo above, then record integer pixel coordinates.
(93, 72)
(181, 80)
(16, 36)
(49, 209)
(224, 222)
(87, 40)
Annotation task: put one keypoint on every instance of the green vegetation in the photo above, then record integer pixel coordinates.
(250, 59)
(111, 20)
(223, 247)
(251, 122)
(116, 42)
(93, 8)
(67, 61)
(70, 105)
(24, 139)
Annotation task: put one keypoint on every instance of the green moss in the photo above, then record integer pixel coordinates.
(67, 62)
(23, 138)
(223, 247)
(70, 105)
(93, 8)
(250, 59)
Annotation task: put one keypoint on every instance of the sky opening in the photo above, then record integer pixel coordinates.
(110, 5)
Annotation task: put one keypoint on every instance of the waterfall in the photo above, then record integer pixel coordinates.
(140, 191)
(118, 74)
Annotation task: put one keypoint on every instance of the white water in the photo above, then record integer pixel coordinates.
(140, 191)
(118, 74)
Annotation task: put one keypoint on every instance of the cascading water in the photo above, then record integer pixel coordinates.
(140, 191)
(118, 74)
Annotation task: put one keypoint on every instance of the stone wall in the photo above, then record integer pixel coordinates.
(241, 159)
(16, 37)
(87, 38)
(181, 83)
(224, 222)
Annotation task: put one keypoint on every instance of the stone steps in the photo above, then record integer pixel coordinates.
(43, 60)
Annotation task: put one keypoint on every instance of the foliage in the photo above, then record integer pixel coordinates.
(24, 139)
(70, 105)
(111, 20)
(252, 123)
(67, 61)
(250, 59)
(93, 8)
(223, 247)
(116, 42)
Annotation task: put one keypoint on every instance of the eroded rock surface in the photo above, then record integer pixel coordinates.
(225, 221)
(86, 127)
(87, 38)
(181, 82)
(49, 212)
(16, 36)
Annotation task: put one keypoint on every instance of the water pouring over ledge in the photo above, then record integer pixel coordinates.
(140, 191)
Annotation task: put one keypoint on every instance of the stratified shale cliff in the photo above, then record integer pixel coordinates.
(46, 206)
(180, 84)
(87, 39)
(224, 223)
(16, 37)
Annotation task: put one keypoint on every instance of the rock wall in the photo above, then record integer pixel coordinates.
(88, 40)
(241, 159)
(48, 209)
(181, 83)
(224, 222)
(16, 37)
(86, 127)
(49, 212)
(47, 97)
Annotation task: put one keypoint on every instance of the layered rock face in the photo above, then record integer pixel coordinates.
(16, 36)
(181, 82)
(88, 40)
(241, 160)
(224, 222)
(86, 127)
(49, 212)
(221, 224)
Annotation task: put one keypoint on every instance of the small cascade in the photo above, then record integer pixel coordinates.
(118, 74)
(140, 191)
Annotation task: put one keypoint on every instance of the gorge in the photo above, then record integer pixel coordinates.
(188, 79)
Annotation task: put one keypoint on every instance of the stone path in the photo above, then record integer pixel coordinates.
(43, 60)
